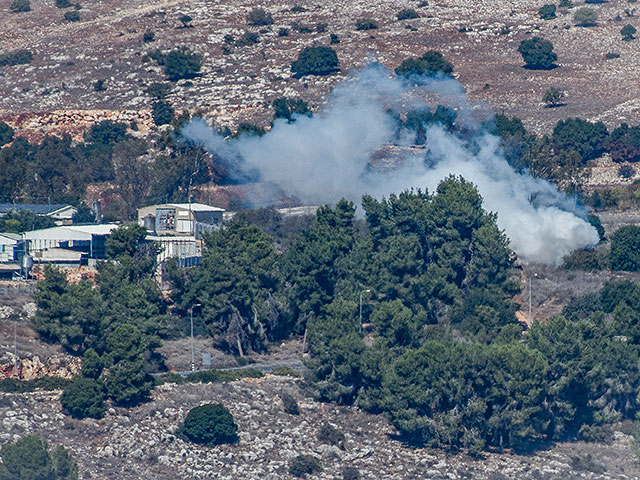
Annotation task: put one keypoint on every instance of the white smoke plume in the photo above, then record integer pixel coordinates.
(327, 157)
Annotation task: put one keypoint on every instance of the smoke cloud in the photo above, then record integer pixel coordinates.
(327, 157)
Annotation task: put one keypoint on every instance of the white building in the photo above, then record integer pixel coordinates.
(10, 244)
(86, 239)
(62, 214)
(180, 218)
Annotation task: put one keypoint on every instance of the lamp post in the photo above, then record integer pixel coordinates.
(193, 352)
(368, 290)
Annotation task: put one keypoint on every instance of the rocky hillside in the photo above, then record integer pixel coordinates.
(238, 83)
(144, 442)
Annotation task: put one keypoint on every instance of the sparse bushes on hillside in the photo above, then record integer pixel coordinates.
(430, 64)
(149, 36)
(210, 424)
(585, 17)
(18, 6)
(289, 404)
(16, 57)
(366, 24)
(315, 61)
(537, 53)
(247, 39)
(258, 17)
(330, 435)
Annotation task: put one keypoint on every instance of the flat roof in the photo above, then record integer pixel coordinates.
(38, 208)
(195, 207)
(71, 232)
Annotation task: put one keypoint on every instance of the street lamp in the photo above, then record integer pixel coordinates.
(368, 290)
(193, 352)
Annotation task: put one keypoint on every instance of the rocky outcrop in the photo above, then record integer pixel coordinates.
(34, 367)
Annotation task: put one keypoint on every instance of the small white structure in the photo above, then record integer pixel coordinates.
(180, 218)
(10, 243)
(86, 239)
(62, 214)
(187, 249)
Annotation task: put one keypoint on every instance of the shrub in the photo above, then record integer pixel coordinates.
(321, 27)
(330, 435)
(625, 249)
(624, 144)
(186, 20)
(611, 55)
(214, 375)
(106, 132)
(259, 17)
(565, 4)
(407, 14)
(248, 38)
(288, 107)
(628, 32)
(158, 90)
(283, 32)
(72, 16)
(589, 260)
(50, 383)
(304, 465)
(210, 424)
(547, 12)
(596, 433)
(366, 24)
(626, 171)
(182, 63)
(315, 61)
(285, 371)
(162, 113)
(430, 64)
(585, 17)
(29, 458)
(537, 53)
(350, 473)
(553, 97)
(301, 28)
(18, 6)
(83, 398)
(13, 385)
(333, 39)
(149, 36)
(289, 403)
(16, 57)
(63, 3)
(91, 364)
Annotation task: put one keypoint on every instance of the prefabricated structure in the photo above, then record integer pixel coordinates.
(187, 249)
(61, 213)
(68, 245)
(11, 247)
(191, 219)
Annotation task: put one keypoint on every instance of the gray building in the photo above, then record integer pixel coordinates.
(178, 219)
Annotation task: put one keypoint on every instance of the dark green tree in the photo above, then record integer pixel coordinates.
(82, 398)
(628, 32)
(162, 113)
(430, 64)
(210, 424)
(182, 63)
(258, 17)
(288, 107)
(6, 133)
(125, 240)
(18, 6)
(366, 24)
(547, 12)
(625, 249)
(537, 53)
(315, 61)
(29, 458)
(584, 137)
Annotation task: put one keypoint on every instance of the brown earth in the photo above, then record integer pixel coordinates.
(480, 38)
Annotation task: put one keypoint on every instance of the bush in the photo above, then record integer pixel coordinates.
(210, 424)
(288, 107)
(366, 24)
(148, 36)
(625, 249)
(547, 12)
(162, 113)
(304, 465)
(106, 132)
(553, 97)
(301, 28)
(628, 32)
(50, 383)
(407, 14)
(72, 16)
(626, 171)
(181, 63)
(83, 398)
(63, 3)
(350, 473)
(315, 61)
(29, 458)
(537, 53)
(91, 364)
(333, 39)
(321, 27)
(158, 90)
(589, 260)
(430, 64)
(16, 57)
(289, 403)
(247, 39)
(214, 375)
(283, 32)
(285, 371)
(585, 17)
(259, 17)
(18, 6)
(330, 435)
(185, 20)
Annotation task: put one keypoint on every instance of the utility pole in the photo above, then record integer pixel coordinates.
(368, 290)
(15, 346)
(193, 351)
